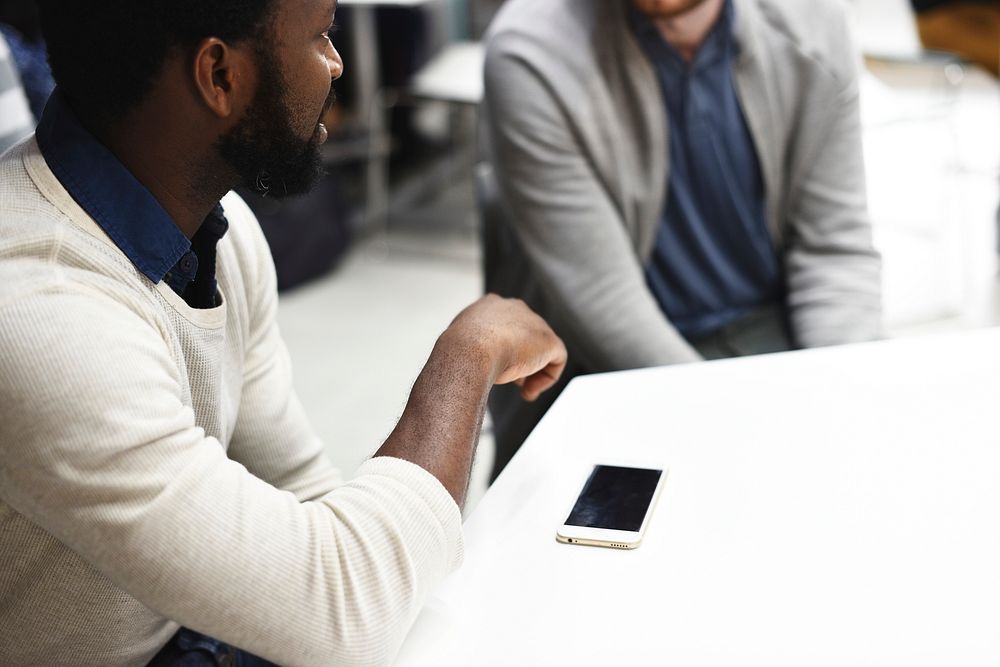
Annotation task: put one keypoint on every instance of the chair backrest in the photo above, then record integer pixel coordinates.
(481, 13)
(496, 236)
(506, 270)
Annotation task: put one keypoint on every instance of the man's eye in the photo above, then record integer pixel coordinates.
(331, 30)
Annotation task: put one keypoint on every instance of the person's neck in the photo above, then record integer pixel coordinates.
(177, 177)
(686, 32)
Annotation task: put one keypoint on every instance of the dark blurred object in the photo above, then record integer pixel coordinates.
(307, 234)
(21, 28)
(22, 15)
(968, 28)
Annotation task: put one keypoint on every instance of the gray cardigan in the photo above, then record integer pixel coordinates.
(576, 132)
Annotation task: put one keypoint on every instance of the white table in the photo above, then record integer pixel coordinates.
(829, 507)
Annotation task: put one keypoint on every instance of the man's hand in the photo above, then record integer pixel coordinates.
(522, 346)
(493, 341)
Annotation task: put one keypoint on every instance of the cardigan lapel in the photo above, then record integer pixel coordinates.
(636, 97)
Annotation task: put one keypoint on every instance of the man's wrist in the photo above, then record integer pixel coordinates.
(470, 351)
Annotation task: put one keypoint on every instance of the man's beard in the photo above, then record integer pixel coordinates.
(263, 148)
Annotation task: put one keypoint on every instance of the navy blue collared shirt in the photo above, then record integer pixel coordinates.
(126, 211)
(713, 260)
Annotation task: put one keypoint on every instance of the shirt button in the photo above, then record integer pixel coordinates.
(187, 264)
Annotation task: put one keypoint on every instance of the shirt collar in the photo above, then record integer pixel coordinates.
(126, 211)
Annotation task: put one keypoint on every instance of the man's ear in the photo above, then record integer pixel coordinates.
(222, 76)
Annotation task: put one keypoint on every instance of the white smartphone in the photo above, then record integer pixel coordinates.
(614, 507)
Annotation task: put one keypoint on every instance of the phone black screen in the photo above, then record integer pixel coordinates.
(615, 498)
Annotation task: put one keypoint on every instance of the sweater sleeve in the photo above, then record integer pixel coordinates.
(98, 449)
(272, 436)
(574, 237)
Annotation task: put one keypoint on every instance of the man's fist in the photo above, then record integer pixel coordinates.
(518, 344)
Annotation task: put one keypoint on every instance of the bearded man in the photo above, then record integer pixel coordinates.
(163, 499)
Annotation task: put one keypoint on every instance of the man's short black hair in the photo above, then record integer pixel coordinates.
(106, 54)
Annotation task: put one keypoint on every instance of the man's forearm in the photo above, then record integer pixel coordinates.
(441, 423)
(493, 341)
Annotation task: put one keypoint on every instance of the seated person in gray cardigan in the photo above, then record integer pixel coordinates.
(163, 498)
(675, 180)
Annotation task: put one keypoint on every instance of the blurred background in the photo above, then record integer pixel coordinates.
(375, 263)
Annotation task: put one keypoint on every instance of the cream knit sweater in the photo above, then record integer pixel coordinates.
(156, 468)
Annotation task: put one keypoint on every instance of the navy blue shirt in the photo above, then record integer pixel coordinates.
(713, 260)
(126, 211)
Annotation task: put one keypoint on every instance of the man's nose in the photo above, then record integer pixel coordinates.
(336, 64)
